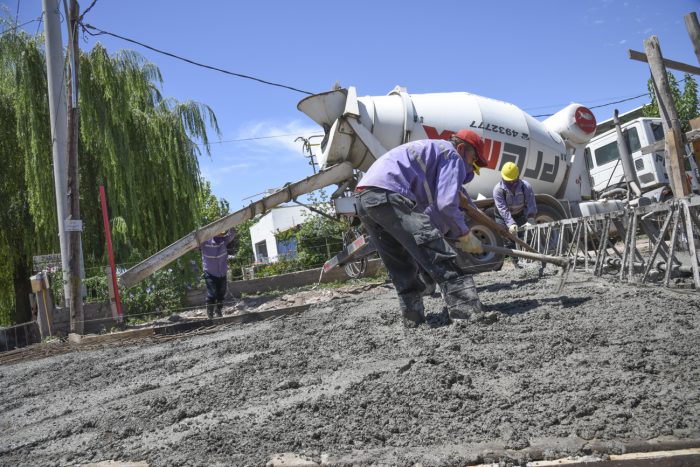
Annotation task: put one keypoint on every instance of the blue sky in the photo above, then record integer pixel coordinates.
(538, 55)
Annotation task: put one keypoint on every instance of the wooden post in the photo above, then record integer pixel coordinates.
(691, 24)
(75, 225)
(40, 286)
(675, 151)
(669, 117)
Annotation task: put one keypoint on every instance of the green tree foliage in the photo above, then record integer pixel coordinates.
(687, 104)
(319, 237)
(211, 207)
(140, 146)
(244, 256)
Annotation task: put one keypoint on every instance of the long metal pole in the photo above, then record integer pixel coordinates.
(335, 174)
(59, 127)
(559, 261)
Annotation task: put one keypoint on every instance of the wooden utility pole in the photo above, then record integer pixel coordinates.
(74, 224)
(691, 24)
(669, 117)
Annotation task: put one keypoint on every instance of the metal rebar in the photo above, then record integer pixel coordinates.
(691, 244)
(659, 242)
(672, 247)
(633, 245)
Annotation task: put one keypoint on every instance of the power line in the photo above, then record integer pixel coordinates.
(80, 18)
(14, 28)
(87, 28)
(254, 138)
(603, 105)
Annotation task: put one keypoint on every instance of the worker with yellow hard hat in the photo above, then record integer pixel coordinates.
(515, 201)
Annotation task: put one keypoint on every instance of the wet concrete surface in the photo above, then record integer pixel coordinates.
(602, 364)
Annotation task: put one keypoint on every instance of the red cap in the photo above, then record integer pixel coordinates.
(468, 136)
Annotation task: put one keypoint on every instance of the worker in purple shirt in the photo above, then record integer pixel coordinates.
(215, 264)
(396, 200)
(515, 202)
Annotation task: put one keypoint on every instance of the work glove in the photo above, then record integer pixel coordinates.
(530, 221)
(469, 243)
(513, 228)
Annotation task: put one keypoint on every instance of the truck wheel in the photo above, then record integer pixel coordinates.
(474, 263)
(546, 214)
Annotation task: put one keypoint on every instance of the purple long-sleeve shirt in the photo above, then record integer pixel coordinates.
(215, 256)
(428, 172)
(511, 203)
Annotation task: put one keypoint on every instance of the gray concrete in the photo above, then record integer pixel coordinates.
(603, 367)
(297, 279)
(282, 282)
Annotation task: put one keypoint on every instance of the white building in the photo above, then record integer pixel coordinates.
(262, 235)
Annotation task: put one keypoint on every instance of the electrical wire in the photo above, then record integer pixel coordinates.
(88, 28)
(255, 138)
(14, 28)
(80, 18)
(602, 105)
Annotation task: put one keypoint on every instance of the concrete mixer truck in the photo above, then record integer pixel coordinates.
(549, 154)
(358, 130)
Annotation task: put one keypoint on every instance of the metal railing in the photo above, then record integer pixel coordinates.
(647, 244)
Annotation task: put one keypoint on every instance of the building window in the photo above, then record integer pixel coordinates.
(632, 140)
(261, 252)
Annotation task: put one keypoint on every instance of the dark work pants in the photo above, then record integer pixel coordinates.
(405, 238)
(520, 219)
(216, 292)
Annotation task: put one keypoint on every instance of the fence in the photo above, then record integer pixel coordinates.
(654, 243)
(20, 335)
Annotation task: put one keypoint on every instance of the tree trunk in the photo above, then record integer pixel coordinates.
(23, 309)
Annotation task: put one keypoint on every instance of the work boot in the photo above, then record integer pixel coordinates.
(461, 298)
(219, 313)
(210, 310)
(412, 309)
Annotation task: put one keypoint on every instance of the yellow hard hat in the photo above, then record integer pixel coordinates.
(509, 172)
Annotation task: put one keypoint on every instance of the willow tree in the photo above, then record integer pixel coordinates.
(141, 146)
(687, 104)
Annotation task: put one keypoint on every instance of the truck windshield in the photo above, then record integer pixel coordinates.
(607, 153)
(658, 131)
(632, 140)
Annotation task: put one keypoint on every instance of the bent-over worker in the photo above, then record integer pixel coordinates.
(393, 197)
(515, 202)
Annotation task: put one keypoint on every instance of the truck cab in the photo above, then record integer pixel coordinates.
(605, 166)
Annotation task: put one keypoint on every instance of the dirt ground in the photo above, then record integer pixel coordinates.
(604, 364)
